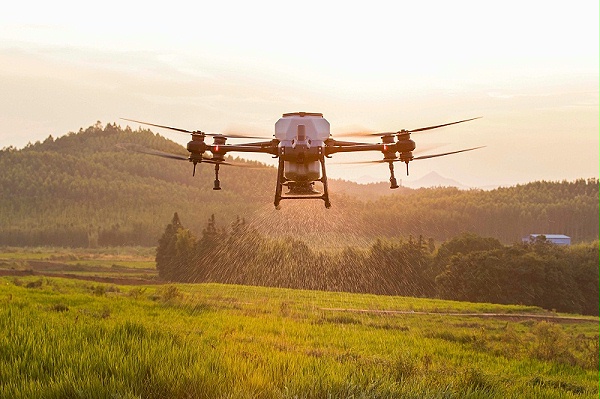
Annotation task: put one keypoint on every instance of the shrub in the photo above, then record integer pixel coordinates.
(551, 343)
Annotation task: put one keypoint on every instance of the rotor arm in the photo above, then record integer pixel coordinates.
(265, 148)
(359, 147)
(269, 143)
(338, 143)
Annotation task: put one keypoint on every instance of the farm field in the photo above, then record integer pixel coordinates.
(73, 338)
(130, 265)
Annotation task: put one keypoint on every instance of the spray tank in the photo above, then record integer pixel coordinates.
(301, 138)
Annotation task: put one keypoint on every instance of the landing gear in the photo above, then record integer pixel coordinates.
(279, 187)
(323, 180)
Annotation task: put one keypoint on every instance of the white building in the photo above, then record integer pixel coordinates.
(558, 239)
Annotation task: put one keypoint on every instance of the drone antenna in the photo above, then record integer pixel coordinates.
(194, 172)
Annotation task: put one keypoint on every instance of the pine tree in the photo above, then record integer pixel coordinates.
(210, 237)
(166, 253)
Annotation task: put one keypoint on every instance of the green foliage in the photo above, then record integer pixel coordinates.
(226, 341)
(168, 293)
(464, 244)
(541, 274)
(591, 350)
(466, 268)
(507, 214)
(243, 256)
(167, 250)
(551, 343)
(83, 190)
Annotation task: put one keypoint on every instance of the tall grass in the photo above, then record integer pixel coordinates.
(69, 339)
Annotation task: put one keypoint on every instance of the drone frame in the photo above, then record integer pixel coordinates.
(395, 147)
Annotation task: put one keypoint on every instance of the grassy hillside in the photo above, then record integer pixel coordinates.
(70, 339)
(81, 189)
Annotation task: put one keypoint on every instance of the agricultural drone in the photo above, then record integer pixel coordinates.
(302, 141)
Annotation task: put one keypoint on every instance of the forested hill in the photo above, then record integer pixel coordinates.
(65, 191)
(83, 189)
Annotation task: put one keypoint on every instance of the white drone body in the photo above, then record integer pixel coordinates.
(302, 132)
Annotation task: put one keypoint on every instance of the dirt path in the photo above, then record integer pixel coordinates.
(501, 316)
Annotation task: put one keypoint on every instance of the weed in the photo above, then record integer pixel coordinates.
(59, 307)
(591, 351)
(35, 284)
(105, 313)
(167, 293)
(98, 290)
(136, 292)
(170, 293)
(405, 367)
(389, 326)
(551, 343)
(450, 336)
(511, 341)
(284, 308)
(113, 289)
(473, 379)
(479, 340)
(557, 384)
(342, 319)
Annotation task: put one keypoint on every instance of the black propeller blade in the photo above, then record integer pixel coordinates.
(167, 155)
(143, 150)
(231, 136)
(234, 135)
(422, 148)
(149, 151)
(216, 161)
(333, 142)
(436, 126)
(161, 126)
(446, 153)
(380, 134)
(415, 158)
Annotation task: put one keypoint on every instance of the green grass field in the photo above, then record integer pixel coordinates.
(67, 338)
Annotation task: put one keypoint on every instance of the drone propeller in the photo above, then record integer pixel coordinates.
(436, 126)
(422, 148)
(149, 151)
(143, 150)
(161, 126)
(381, 134)
(415, 158)
(197, 132)
(446, 153)
(333, 142)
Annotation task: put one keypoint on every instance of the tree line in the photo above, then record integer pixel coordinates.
(466, 268)
(84, 189)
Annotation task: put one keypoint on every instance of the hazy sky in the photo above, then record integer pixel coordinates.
(530, 68)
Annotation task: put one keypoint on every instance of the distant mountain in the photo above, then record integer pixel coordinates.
(434, 179)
